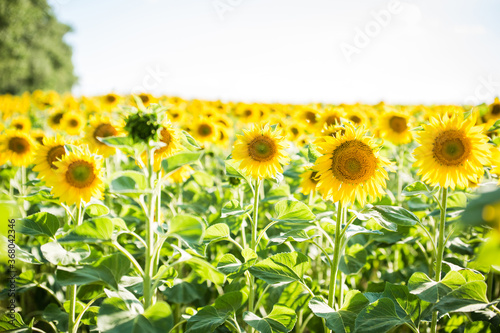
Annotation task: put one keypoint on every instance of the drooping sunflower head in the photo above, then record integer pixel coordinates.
(452, 151)
(309, 181)
(17, 147)
(102, 127)
(78, 177)
(142, 126)
(395, 127)
(47, 154)
(261, 151)
(351, 168)
(73, 123)
(21, 123)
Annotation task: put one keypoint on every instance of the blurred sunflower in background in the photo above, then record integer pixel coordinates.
(78, 177)
(331, 116)
(17, 147)
(110, 101)
(51, 151)
(38, 134)
(351, 168)
(205, 130)
(309, 181)
(55, 119)
(147, 99)
(395, 127)
(21, 123)
(171, 138)
(180, 175)
(261, 151)
(493, 113)
(101, 127)
(73, 123)
(452, 151)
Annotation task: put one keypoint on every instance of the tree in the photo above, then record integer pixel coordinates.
(33, 54)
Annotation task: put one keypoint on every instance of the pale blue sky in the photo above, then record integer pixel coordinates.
(440, 51)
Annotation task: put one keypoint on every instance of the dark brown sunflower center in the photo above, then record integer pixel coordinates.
(73, 122)
(310, 117)
(80, 174)
(355, 119)
(205, 130)
(19, 145)
(144, 98)
(54, 154)
(110, 98)
(248, 113)
(39, 139)
(313, 177)
(398, 124)
(353, 162)
(495, 109)
(262, 149)
(104, 130)
(19, 126)
(451, 148)
(332, 120)
(56, 119)
(294, 130)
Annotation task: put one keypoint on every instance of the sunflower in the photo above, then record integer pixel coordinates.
(351, 167)
(331, 116)
(38, 134)
(395, 127)
(495, 161)
(55, 119)
(332, 130)
(180, 175)
(110, 101)
(308, 115)
(51, 151)
(309, 181)
(78, 177)
(452, 151)
(147, 99)
(17, 147)
(171, 137)
(358, 116)
(261, 151)
(21, 123)
(204, 130)
(248, 113)
(493, 113)
(101, 127)
(73, 123)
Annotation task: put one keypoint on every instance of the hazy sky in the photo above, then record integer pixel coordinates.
(436, 51)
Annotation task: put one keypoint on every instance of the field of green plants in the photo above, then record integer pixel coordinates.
(158, 214)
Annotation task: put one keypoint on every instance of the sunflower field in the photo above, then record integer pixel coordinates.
(158, 214)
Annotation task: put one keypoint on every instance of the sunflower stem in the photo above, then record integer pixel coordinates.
(71, 290)
(440, 250)
(253, 243)
(150, 235)
(400, 174)
(336, 256)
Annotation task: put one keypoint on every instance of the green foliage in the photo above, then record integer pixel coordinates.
(33, 53)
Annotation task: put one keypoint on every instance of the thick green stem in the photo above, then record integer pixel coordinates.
(440, 250)
(336, 256)
(253, 245)
(150, 235)
(71, 290)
